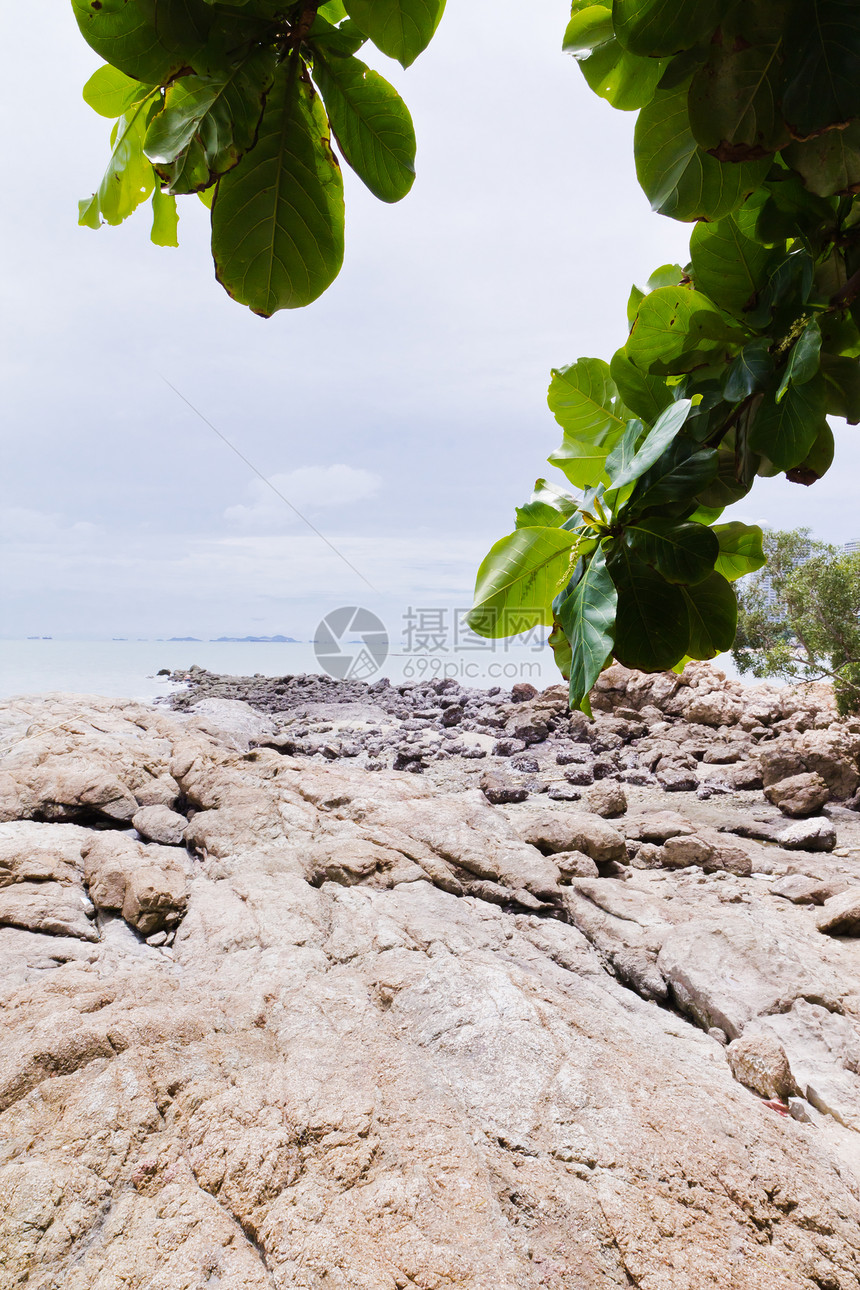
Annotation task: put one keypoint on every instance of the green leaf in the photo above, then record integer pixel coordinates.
(332, 11)
(582, 460)
(560, 646)
(644, 395)
(277, 218)
(822, 65)
(676, 477)
(111, 93)
(623, 79)
(371, 123)
(342, 41)
(584, 400)
(588, 27)
(750, 372)
(680, 179)
(803, 360)
(712, 609)
(165, 219)
(817, 461)
(785, 432)
(652, 627)
(402, 29)
(734, 98)
(740, 547)
(208, 123)
(129, 178)
(149, 40)
(679, 550)
(842, 387)
(674, 328)
(587, 617)
(653, 28)
(829, 164)
(547, 507)
(519, 580)
(665, 429)
(728, 267)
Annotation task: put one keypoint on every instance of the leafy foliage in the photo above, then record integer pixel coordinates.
(221, 100)
(748, 128)
(801, 619)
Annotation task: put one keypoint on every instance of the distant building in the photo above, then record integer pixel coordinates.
(851, 548)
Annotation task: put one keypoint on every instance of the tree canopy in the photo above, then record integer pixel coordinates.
(238, 103)
(800, 618)
(749, 129)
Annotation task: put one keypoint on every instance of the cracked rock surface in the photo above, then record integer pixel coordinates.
(366, 1030)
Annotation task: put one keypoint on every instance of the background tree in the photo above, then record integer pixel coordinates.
(800, 620)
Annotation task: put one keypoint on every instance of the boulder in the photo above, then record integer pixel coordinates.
(799, 795)
(674, 778)
(553, 831)
(606, 798)
(800, 889)
(146, 884)
(840, 915)
(814, 834)
(160, 824)
(656, 826)
(759, 1061)
(499, 790)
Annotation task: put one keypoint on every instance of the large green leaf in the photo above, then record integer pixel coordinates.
(111, 93)
(750, 372)
(587, 617)
(582, 460)
(677, 176)
(675, 328)
(734, 98)
(652, 625)
(803, 359)
(165, 219)
(519, 580)
(679, 550)
(277, 218)
(817, 461)
(822, 65)
(400, 28)
(712, 609)
(150, 40)
(547, 507)
(129, 179)
(665, 429)
(728, 267)
(371, 123)
(623, 79)
(740, 549)
(590, 26)
(785, 432)
(208, 123)
(584, 400)
(842, 387)
(677, 477)
(829, 164)
(644, 395)
(658, 27)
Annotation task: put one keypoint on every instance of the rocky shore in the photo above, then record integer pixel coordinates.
(364, 987)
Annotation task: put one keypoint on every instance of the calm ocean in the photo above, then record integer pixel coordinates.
(127, 669)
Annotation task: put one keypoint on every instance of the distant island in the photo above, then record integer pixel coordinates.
(185, 638)
(254, 640)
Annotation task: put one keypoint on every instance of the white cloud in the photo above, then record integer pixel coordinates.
(310, 488)
(22, 524)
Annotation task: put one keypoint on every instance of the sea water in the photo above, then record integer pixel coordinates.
(128, 669)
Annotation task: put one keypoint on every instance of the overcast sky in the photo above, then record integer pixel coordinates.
(404, 413)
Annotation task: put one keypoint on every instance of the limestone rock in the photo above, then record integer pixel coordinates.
(759, 1061)
(552, 831)
(160, 824)
(799, 795)
(499, 790)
